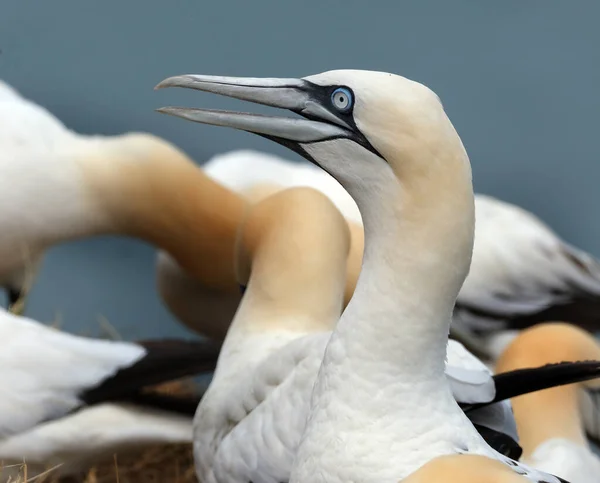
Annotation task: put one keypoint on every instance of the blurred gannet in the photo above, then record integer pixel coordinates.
(552, 424)
(67, 399)
(59, 185)
(521, 271)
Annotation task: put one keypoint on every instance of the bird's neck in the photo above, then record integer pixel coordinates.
(292, 258)
(148, 189)
(46, 200)
(418, 244)
(384, 365)
(133, 185)
(559, 412)
(549, 414)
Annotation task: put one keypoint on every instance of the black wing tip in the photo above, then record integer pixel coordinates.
(207, 345)
(174, 404)
(165, 360)
(523, 381)
(579, 309)
(519, 382)
(500, 442)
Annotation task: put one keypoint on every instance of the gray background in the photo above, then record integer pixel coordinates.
(519, 80)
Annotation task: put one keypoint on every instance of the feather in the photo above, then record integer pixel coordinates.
(164, 360)
(524, 381)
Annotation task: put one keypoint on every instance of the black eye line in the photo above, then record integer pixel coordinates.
(322, 95)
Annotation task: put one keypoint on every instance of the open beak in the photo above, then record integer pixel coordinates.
(297, 95)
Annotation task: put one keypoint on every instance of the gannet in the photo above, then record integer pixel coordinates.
(381, 406)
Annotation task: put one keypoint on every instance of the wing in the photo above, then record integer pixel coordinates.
(470, 379)
(503, 443)
(252, 433)
(496, 423)
(522, 381)
(47, 373)
(472, 382)
(163, 360)
(87, 435)
(522, 272)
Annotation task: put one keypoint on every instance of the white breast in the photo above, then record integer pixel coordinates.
(249, 423)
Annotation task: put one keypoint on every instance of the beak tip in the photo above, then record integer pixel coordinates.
(163, 84)
(176, 81)
(173, 111)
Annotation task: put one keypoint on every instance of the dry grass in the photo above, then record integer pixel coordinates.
(163, 463)
(159, 464)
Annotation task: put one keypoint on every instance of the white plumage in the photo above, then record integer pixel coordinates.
(57, 185)
(250, 421)
(519, 267)
(48, 377)
(381, 405)
(27, 131)
(89, 436)
(45, 371)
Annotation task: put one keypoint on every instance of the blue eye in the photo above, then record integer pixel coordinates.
(342, 99)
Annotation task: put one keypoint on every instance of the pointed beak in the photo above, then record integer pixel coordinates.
(297, 95)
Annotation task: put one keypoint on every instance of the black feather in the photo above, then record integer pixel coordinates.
(524, 381)
(581, 310)
(501, 442)
(557, 477)
(183, 405)
(165, 360)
